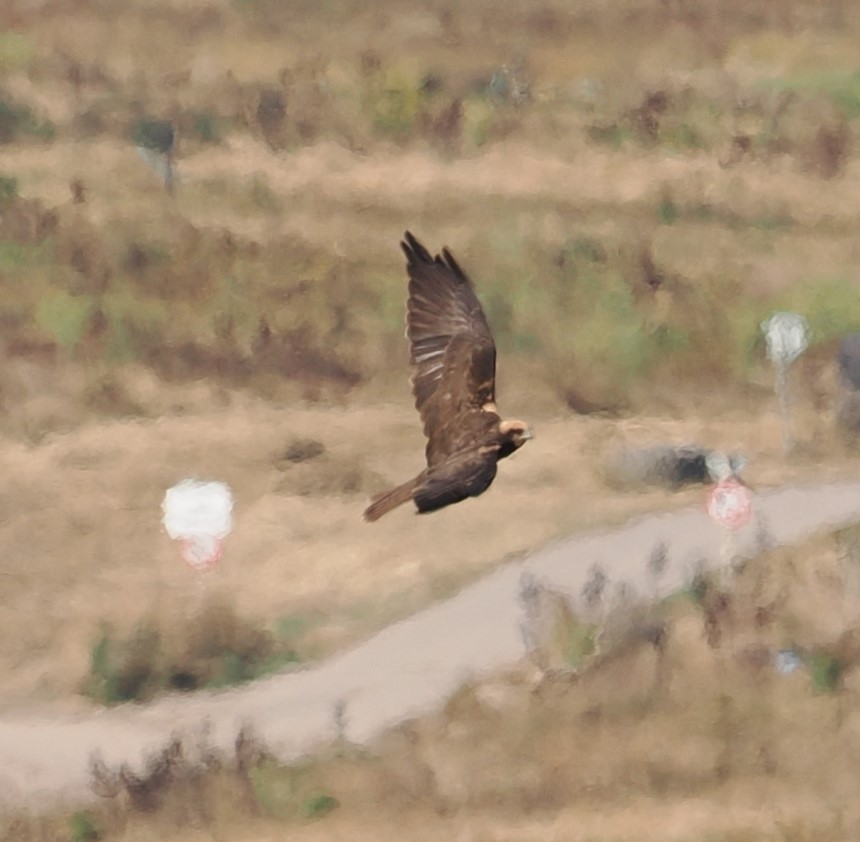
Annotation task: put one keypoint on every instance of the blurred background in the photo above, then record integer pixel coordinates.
(200, 209)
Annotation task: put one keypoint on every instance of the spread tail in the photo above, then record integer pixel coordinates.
(383, 504)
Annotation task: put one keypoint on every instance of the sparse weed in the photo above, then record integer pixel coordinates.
(8, 189)
(483, 122)
(63, 318)
(826, 672)
(83, 828)
(18, 120)
(830, 305)
(263, 197)
(17, 50)
(213, 649)
(156, 135)
(318, 806)
(206, 127)
(191, 783)
(286, 792)
(667, 211)
(612, 135)
(840, 86)
(581, 645)
(394, 103)
(274, 789)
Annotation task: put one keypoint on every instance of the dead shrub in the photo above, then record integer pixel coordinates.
(26, 221)
(829, 151)
(326, 477)
(187, 783)
(647, 116)
(443, 125)
(271, 115)
(214, 647)
(108, 396)
(300, 450)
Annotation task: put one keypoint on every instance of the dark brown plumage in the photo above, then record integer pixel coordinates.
(454, 358)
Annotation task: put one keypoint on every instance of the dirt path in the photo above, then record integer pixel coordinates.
(406, 669)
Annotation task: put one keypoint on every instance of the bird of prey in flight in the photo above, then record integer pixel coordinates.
(453, 356)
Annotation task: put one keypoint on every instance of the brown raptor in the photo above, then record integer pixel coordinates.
(454, 357)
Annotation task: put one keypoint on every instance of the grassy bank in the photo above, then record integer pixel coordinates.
(737, 702)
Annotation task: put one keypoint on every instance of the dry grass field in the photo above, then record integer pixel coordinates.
(633, 185)
(681, 724)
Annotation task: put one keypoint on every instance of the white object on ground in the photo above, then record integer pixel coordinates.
(199, 514)
(787, 661)
(201, 552)
(730, 506)
(787, 337)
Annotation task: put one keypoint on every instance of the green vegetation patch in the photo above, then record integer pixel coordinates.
(841, 87)
(214, 648)
(63, 317)
(17, 50)
(18, 120)
(831, 305)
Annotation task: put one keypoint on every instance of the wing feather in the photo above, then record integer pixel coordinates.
(451, 349)
(454, 479)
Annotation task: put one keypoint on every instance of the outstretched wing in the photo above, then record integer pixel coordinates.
(452, 350)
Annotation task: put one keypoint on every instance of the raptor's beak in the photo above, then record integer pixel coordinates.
(527, 434)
